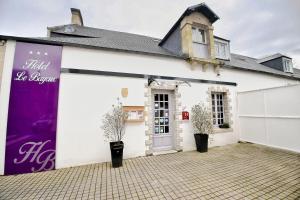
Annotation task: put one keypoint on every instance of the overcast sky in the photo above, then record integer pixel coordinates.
(255, 28)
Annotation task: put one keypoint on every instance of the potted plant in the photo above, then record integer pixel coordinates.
(114, 130)
(202, 124)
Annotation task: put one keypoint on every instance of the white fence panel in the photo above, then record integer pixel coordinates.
(271, 117)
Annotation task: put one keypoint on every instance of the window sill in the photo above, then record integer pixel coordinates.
(203, 43)
(223, 130)
(223, 58)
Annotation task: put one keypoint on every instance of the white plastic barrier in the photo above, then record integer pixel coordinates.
(271, 117)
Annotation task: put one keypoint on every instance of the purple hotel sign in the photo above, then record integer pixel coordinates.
(32, 114)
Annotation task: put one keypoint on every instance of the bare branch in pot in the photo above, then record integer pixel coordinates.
(114, 123)
(202, 119)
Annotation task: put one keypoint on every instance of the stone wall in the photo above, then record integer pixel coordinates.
(178, 140)
(228, 115)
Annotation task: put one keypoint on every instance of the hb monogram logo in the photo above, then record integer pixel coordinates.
(34, 153)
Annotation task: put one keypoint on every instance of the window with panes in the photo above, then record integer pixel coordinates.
(287, 65)
(217, 108)
(221, 50)
(198, 35)
(161, 113)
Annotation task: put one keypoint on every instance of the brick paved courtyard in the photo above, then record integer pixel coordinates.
(239, 171)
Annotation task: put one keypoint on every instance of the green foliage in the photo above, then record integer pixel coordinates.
(225, 125)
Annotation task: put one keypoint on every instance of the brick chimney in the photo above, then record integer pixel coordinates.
(76, 17)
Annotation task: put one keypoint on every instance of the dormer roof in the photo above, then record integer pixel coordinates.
(201, 8)
(204, 9)
(272, 57)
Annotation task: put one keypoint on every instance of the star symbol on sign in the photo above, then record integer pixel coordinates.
(30, 52)
(38, 53)
(46, 54)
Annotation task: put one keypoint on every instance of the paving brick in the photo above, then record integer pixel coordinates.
(239, 171)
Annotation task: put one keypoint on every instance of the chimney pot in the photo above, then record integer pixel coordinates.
(76, 17)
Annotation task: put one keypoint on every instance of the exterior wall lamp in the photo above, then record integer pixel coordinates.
(151, 80)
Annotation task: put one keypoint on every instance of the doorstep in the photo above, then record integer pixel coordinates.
(164, 152)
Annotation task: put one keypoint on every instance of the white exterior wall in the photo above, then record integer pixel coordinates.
(253, 81)
(85, 98)
(189, 98)
(265, 117)
(4, 98)
(80, 58)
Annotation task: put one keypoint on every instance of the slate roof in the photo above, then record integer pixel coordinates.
(93, 37)
(297, 71)
(252, 64)
(119, 41)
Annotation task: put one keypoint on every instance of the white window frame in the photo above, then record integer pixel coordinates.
(218, 49)
(287, 65)
(202, 38)
(218, 113)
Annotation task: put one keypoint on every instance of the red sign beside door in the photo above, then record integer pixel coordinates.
(185, 115)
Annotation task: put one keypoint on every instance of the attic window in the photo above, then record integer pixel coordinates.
(222, 49)
(287, 65)
(198, 35)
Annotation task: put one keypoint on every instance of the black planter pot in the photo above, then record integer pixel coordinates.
(116, 149)
(201, 142)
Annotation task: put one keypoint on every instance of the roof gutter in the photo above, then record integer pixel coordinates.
(31, 40)
(264, 72)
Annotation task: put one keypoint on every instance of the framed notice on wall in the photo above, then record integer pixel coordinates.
(135, 113)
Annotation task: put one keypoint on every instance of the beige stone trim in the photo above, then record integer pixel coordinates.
(227, 105)
(178, 137)
(200, 21)
(211, 46)
(204, 61)
(217, 69)
(204, 67)
(196, 18)
(186, 40)
(178, 130)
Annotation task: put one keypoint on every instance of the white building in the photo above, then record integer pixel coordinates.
(162, 77)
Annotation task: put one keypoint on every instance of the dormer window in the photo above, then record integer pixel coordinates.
(198, 35)
(287, 65)
(200, 47)
(279, 62)
(222, 49)
(192, 35)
